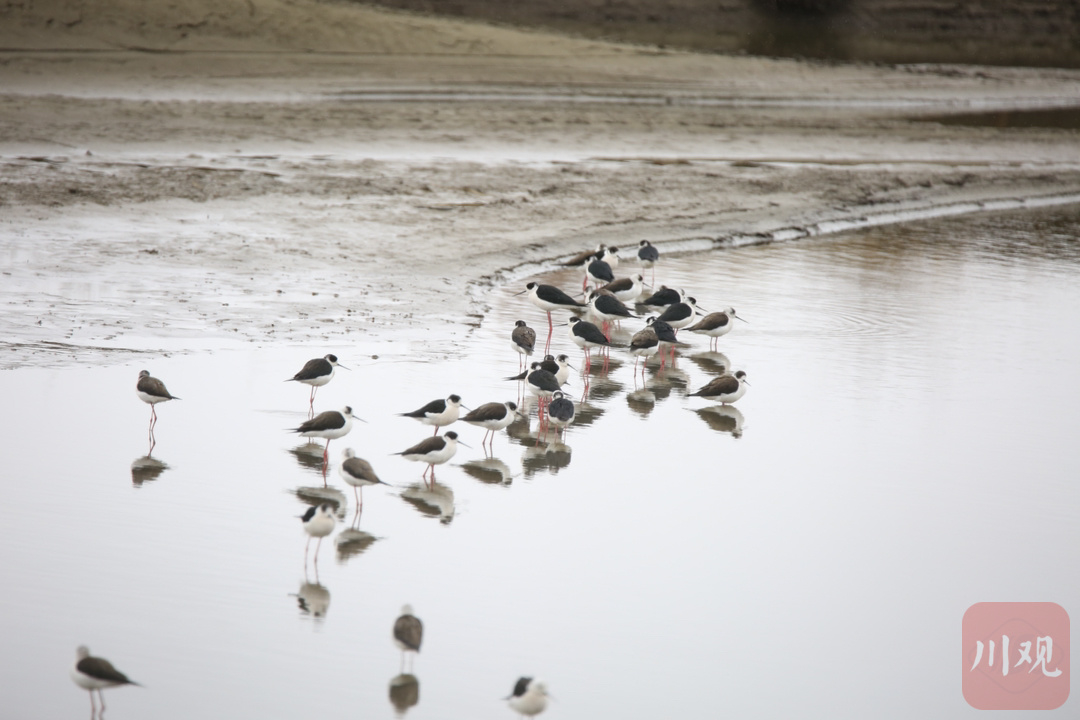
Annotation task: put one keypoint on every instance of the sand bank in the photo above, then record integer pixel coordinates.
(321, 174)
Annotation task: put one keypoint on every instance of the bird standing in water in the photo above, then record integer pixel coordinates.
(94, 673)
(151, 390)
(408, 634)
(529, 697)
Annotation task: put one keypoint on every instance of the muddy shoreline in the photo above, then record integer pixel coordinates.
(171, 202)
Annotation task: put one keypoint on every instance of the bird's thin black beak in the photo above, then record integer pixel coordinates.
(343, 367)
(744, 320)
(466, 407)
(461, 443)
(522, 292)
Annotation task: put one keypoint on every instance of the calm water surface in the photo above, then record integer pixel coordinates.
(907, 448)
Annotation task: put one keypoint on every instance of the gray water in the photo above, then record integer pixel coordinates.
(907, 448)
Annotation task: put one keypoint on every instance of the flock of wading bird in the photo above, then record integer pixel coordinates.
(606, 306)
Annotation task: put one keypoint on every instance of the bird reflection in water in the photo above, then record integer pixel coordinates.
(404, 693)
(490, 470)
(313, 599)
(723, 418)
(585, 414)
(146, 469)
(309, 455)
(667, 379)
(641, 401)
(712, 362)
(601, 386)
(318, 496)
(550, 457)
(520, 430)
(433, 500)
(352, 542)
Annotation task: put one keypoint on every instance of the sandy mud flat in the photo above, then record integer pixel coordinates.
(241, 191)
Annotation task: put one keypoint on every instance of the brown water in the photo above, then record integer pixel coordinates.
(906, 449)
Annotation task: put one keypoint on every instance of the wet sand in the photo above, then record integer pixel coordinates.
(229, 189)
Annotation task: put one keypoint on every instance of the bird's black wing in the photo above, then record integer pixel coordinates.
(428, 445)
(432, 408)
(314, 369)
(590, 333)
(552, 294)
(329, 420)
(102, 669)
(487, 411)
(722, 385)
(153, 387)
(544, 380)
(521, 686)
(360, 468)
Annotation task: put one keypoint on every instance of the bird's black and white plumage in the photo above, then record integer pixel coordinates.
(663, 297)
(523, 338)
(492, 416)
(439, 413)
(558, 366)
(607, 307)
(647, 254)
(549, 297)
(94, 673)
(434, 450)
(715, 324)
(560, 410)
(562, 373)
(548, 363)
(330, 425)
(317, 372)
(664, 332)
(610, 255)
(151, 390)
(680, 314)
(541, 382)
(529, 697)
(318, 522)
(599, 272)
(586, 335)
(627, 289)
(358, 473)
(727, 388)
(644, 344)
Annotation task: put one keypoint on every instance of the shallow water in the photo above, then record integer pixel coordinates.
(905, 450)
